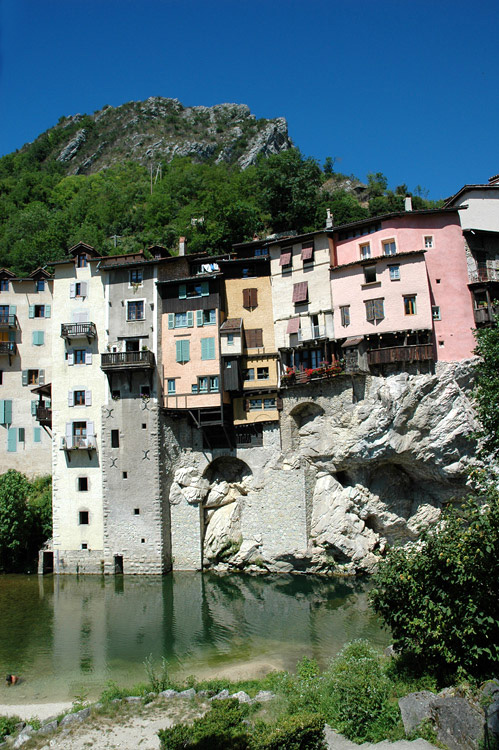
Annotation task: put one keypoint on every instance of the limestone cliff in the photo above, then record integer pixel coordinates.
(358, 463)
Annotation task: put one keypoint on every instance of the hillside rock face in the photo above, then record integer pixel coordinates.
(359, 464)
(160, 129)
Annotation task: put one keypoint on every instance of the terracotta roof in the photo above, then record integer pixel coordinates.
(232, 324)
(354, 341)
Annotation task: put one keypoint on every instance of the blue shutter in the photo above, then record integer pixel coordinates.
(33, 407)
(38, 338)
(8, 412)
(41, 377)
(208, 348)
(12, 440)
(178, 347)
(171, 320)
(47, 311)
(182, 291)
(190, 319)
(205, 288)
(12, 335)
(199, 318)
(185, 351)
(25, 377)
(31, 311)
(37, 434)
(2, 411)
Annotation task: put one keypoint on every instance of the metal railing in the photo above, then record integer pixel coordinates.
(144, 359)
(74, 330)
(78, 442)
(8, 321)
(8, 347)
(314, 332)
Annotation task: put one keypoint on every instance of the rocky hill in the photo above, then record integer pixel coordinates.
(159, 129)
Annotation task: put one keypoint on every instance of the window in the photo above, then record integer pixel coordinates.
(81, 261)
(428, 241)
(389, 247)
(79, 356)
(182, 350)
(286, 259)
(82, 484)
(254, 338)
(37, 434)
(135, 310)
(125, 475)
(248, 272)
(80, 289)
(144, 426)
(4, 285)
(269, 403)
(365, 250)
(1, 377)
(410, 304)
(136, 277)
(145, 391)
(12, 440)
(369, 274)
(255, 403)
(38, 338)
(249, 374)
(115, 438)
(375, 309)
(33, 377)
(250, 298)
(83, 517)
(209, 317)
(115, 395)
(203, 385)
(307, 253)
(136, 511)
(345, 315)
(199, 289)
(208, 348)
(194, 388)
(214, 384)
(300, 292)
(394, 273)
(6, 411)
(230, 339)
(171, 385)
(84, 545)
(40, 285)
(435, 312)
(261, 251)
(40, 311)
(79, 398)
(21, 434)
(181, 320)
(262, 373)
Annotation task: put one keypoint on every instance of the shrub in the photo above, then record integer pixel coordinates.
(303, 731)
(219, 729)
(158, 680)
(8, 725)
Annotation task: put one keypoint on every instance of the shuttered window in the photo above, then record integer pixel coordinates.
(307, 253)
(5, 411)
(300, 292)
(293, 325)
(208, 348)
(38, 338)
(34, 404)
(254, 337)
(182, 350)
(250, 298)
(12, 440)
(375, 309)
(37, 434)
(286, 259)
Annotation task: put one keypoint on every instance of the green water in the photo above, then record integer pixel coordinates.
(67, 636)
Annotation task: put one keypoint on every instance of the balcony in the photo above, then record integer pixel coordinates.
(8, 321)
(413, 353)
(143, 360)
(78, 330)
(482, 274)
(79, 443)
(8, 347)
(485, 315)
(310, 375)
(43, 415)
(315, 332)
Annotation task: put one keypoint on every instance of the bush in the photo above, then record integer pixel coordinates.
(8, 725)
(303, 731)
(219, 729)
(441, 601)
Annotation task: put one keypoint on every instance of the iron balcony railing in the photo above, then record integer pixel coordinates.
(76, 330)
(123, 360)
(8, 321)
(78, 442)
(8, 347)
(315, 332)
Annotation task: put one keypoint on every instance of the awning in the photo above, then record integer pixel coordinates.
(307, 252)
(285, 258)
(293, 325)
(300, 291)
(352, 342)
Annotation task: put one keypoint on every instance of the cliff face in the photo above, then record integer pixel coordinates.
(159, 129)
(358, 464)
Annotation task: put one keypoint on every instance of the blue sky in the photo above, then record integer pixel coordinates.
(410, 89)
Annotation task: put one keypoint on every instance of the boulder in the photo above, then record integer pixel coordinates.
(458, 724)
(415, 708)
(222, 695)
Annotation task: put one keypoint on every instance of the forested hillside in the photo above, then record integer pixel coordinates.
(122, 208)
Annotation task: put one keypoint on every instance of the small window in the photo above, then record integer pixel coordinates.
(394, 273)
(410, 304)
(249, 374)
(248, 272)
(79, 398)
(365, 250)
(40, 285)
(261, 251)
(171, 385)
(438, 281)
(83, 515)
(1, 377)
(345, 315)
(115, 395)
(250, 298)
(428, 241)
(135, 310)
(181, 320)
(389, 247)
(33, 377)
(136, 511)
(209, 317)
(194, 388)
(142, 541)
(286, 259)
(39, 311)
(136, 277)
(79, 356)
(145, 391)
(254, 338)
(115, 438)
(262, 373)
(213, 383)
(84, 545)
(255, 403)
(230, 339)
(4, 285)
(125, 475)
(441, 343)
(203, 385)
(435, 312)
(82, 484)
(307, 253)
(369, 274)
(269, 403)
(144, 426)
(21, 435)
(375, 309)
(81, 261)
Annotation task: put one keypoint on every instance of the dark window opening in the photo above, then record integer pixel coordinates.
(83, 517)
(115, 438)
(116, 395)
(125, 475)
(82, 484)
(84, 545)
(136, 511)
(145, 391)
(144, 426)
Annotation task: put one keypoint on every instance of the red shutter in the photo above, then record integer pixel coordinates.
(246, 297)
(246, 405)
(300, 291)
(307, 252)
(253, 297)
(285, 258)
(279, 403)
(293, 325)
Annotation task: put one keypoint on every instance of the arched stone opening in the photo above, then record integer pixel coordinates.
(306, 423)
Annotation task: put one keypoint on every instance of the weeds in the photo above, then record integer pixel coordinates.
(158, 681)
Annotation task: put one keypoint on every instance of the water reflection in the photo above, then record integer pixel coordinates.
(67, 635)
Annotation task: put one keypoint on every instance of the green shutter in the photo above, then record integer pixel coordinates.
(8, 412)
(12, 309)
(25, 377)
(186, 351)
(37, 434)
(178, 346)
(47, 311)
(199, 318)
(190, 318)
(33, 407)
(12, 335)
(31, 311)
(12, 439)
(182, 291)
(2, 411)
(208, 348)
(38, 338)
(171, 320)
(205, 288)
(21, 435)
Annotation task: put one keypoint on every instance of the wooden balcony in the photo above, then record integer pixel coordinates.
(43, 415)
(8, 347)
(7, 322)
(114, 361)
(483, 274)
(302, 377)
(412, 353)
(485, 315)
(78, 330)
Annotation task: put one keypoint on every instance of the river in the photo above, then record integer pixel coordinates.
(67, 636)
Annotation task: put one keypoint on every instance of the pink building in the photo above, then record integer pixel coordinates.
(399, 283)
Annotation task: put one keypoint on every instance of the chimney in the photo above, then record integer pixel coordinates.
(329, 219)
(181, 245)
(408, 203)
